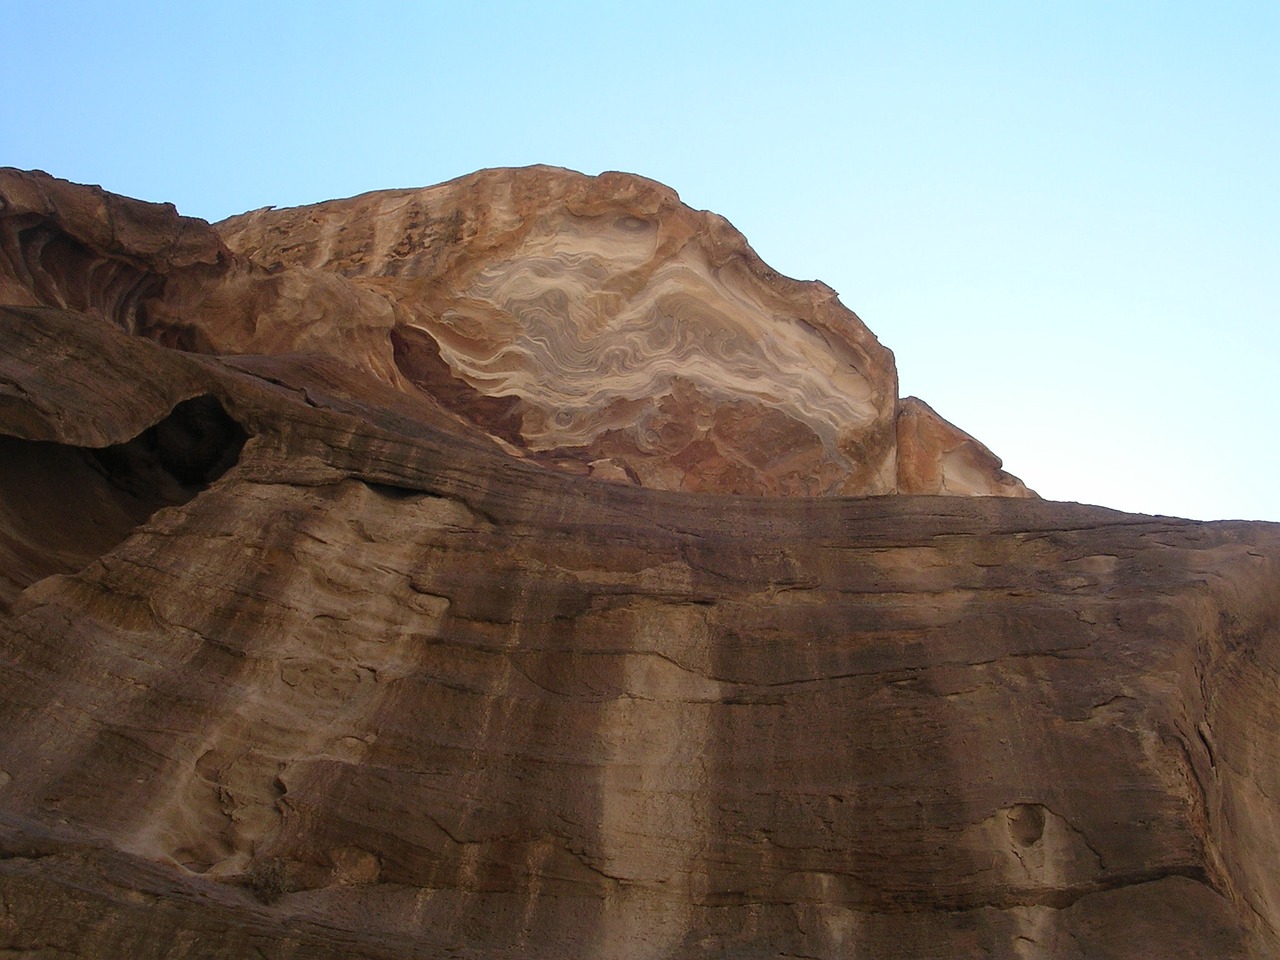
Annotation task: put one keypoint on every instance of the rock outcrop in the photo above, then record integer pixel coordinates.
(297, 660)
(593, 324)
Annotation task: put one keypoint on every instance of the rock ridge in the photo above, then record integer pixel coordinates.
(594, 324)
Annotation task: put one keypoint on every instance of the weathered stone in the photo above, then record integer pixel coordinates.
(314, 667)
(937, 457)
(573, 319)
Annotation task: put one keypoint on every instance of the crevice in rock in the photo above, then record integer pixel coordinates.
(63, 506)
(391, 491)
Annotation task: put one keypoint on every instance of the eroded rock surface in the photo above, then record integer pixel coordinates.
(296, 661)
(593, 324)
(614, 324)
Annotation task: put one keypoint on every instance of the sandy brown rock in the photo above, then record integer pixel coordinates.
(611, 322)
(79, 247)
(303, 656)
(938, 458)
(381, 690)
(593, 324)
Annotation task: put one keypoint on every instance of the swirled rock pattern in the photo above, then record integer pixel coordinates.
(296, 660)
(615, 325)
(593, 324)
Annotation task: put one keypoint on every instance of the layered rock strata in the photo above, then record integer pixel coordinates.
(593, 324)
(296, 661)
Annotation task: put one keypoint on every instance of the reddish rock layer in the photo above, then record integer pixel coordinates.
(937, 457)
(594, 324)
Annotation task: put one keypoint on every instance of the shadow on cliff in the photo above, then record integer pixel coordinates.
(64, 506)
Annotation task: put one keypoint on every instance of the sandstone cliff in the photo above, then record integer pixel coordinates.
(593, 324)
(314, 643)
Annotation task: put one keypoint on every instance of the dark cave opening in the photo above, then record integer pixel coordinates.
(63, 506)
(178, 457)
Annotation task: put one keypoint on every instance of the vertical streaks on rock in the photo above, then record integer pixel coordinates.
(383, 689)
(654, 821)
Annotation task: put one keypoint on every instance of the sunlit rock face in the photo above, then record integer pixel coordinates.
(598, 324)
(593, 324)
(937, 457)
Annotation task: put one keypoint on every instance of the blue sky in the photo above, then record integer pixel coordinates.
(1064, 218)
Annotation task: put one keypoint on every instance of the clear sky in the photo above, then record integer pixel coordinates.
(1063, 217)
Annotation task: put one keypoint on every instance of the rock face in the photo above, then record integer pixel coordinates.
(297, 660)
(594, 324)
